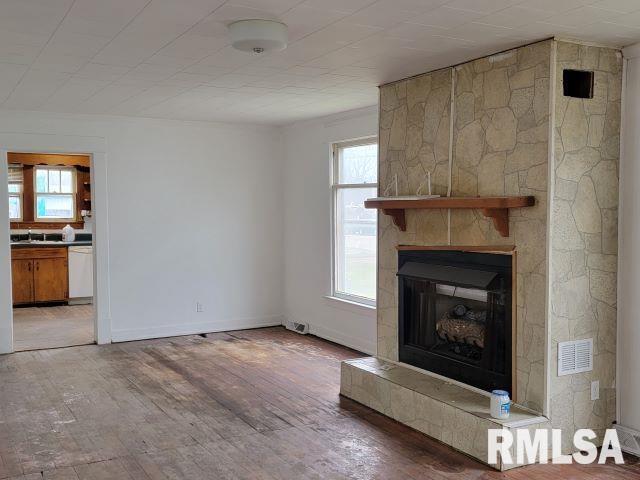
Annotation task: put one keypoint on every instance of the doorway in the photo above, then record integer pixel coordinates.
(51, 244)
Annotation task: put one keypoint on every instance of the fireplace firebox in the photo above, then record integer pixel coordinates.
(455, 315)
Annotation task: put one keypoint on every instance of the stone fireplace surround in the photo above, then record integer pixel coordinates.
(508, 131)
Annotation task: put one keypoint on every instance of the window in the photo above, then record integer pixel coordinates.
(355, 178)
(55, 194)
(16, 184)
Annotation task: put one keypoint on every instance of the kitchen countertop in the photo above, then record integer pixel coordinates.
(49, 244)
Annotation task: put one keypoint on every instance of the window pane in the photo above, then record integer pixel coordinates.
(66, 181)
(54, 206)
(41, 181)
(15, 212)
(355, 243)
(359, 164)
(15, 188)
(54, 181)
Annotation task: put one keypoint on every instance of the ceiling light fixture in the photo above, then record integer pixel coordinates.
(258, 36)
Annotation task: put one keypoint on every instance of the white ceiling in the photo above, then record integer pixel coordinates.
(172, 59)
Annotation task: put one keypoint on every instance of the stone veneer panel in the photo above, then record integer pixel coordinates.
(414, 140)
(584, 237)
(501, 147)
(447, 412)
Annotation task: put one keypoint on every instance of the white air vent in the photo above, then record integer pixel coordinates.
(575, 356)
(302, 328)
(629, 439)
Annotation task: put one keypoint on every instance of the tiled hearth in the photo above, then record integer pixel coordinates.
(446, 411)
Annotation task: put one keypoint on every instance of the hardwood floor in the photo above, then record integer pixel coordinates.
(255, 404)
(36, 328)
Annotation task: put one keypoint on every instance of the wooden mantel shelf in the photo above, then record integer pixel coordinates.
(496, 208)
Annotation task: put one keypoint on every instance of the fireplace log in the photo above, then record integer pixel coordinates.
(460, 330)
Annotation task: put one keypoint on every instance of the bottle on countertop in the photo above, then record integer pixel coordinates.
(68, 234)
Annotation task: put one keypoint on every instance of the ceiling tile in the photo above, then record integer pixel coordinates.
(101, 72)
(347, 6)
(581, 16)
(193, 47)
(16, 53)
(108, 97)
(482, 6)
(34, 89)
(10, 75)
(60, 63)
(514, 17)
(232, 80)
(446, 17)
(276, 7)
(34, 17)
(556, 6)
(381, 15)
(73, 91)
(146, 99)
(100, 18)
(303, 20)
(623, 6)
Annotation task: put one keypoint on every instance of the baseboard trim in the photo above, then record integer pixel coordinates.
(342, 339)
(128, 335)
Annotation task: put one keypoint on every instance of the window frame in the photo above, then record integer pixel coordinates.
(19, 196)
(336, 186)
(21, 201)
(73, 194)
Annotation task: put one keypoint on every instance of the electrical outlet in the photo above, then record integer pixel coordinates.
(595, 390)
(199, 307)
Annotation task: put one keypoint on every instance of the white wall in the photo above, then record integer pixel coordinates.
(307, 230)
(194, 213)
(628, 380)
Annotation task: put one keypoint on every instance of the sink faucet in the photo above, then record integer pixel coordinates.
(29, 234)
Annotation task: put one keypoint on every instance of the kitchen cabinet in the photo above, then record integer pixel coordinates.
(22, 281)
(39, 275)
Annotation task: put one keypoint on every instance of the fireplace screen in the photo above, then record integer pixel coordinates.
(455, 315)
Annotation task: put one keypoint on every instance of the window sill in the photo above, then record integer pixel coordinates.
(351, 306)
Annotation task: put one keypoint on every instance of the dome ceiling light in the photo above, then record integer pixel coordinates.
(258, 36)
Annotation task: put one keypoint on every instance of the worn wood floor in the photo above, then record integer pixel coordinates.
(256, 404)
(36, 328)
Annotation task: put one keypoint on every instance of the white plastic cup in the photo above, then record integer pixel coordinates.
(500, 404)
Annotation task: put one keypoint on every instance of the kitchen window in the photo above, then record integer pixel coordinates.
(355, 178)
(55, 198)
(16, 189)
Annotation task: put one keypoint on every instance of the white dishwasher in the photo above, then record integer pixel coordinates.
(81, 274)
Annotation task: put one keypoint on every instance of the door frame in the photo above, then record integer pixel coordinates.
(43, 143)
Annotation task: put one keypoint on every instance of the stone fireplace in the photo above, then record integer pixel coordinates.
(498, 126)
(455, 315)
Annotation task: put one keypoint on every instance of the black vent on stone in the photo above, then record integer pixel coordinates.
(577, 83)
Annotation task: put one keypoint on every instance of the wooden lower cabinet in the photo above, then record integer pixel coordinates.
(39, 275)
(22, 281)
(50, 280)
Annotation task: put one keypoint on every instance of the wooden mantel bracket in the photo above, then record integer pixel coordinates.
(500, 217)
(495, 208)
(397, 215)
